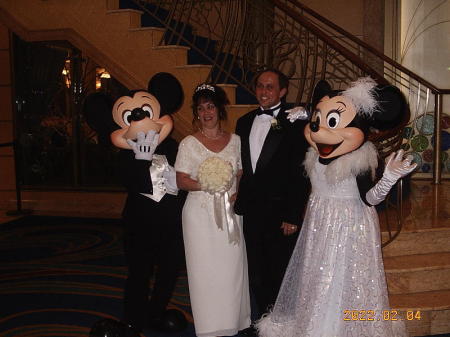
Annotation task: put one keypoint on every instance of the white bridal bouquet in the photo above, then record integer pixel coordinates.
(215, 175)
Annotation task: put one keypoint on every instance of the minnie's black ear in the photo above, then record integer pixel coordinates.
(168, 91)
(97, 111)
(322, 88)
(391, 107)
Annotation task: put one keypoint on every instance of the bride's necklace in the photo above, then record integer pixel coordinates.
(219, 134)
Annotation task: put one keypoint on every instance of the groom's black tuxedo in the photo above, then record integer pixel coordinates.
(276, 192)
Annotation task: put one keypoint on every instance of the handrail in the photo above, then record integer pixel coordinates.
(363, 44)
(419, 89)
(172, 32)
(344, 51)
(241, 37)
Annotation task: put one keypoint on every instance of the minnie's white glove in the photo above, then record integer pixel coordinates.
(297, 112)
(395, 169)
(145, 145)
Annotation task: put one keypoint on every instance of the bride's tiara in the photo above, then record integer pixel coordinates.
(205, 86)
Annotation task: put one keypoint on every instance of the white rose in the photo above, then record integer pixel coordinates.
(215, 175)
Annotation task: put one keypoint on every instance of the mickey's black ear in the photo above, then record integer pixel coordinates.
(322, 88)
(97, 111)
(168, 91)
(391, 107)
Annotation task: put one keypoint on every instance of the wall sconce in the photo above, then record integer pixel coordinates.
(66, 73)
(100, 74)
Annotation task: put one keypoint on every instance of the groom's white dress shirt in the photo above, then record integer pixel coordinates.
(258, 133)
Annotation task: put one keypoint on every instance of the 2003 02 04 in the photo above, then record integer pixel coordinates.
(383, 315)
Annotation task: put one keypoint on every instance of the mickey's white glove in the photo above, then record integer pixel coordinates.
(395, 169)
(170, 180)
(145, 145)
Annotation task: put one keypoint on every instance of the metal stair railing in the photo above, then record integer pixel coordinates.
(240, 37)
(423, 97)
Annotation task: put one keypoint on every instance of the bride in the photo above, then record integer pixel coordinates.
(208, 166)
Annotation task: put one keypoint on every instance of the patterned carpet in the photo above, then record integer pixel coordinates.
(60, 275)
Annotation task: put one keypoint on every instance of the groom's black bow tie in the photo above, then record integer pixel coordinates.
(267, 112)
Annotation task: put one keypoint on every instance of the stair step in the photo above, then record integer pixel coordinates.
(169, 54)
(426, 241)
(134, 16)
(417, 262)
(152, 34)
(112, 4)
(417, 273)
(230, 90)
(124, 10)
(171, 46)
(195, 73)
(187, 66)
(434, 308)
(151, 29)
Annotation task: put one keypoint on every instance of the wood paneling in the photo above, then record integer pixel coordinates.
(5, 72)
(5, 103)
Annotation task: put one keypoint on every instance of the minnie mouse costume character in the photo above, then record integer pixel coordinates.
(152, 212)
(337, 265)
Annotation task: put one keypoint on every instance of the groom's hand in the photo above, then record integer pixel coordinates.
(288, 228)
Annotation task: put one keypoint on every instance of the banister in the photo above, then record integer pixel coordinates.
(343, 50)
(361, 43)
(291, 36)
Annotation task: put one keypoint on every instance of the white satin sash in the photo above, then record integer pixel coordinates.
(225, 216)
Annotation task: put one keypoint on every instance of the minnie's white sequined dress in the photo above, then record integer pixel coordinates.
(337, 263)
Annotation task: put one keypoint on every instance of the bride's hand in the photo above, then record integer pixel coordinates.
(233, 197)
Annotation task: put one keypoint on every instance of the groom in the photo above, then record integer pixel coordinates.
(273, 189)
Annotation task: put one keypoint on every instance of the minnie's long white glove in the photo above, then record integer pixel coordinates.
(396, 168)
(297, 112)
(145, 145)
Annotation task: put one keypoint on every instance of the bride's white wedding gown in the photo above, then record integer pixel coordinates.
(217, 269)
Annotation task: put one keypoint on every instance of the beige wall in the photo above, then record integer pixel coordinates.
(425, 39)
(362, 18)
(347, 14)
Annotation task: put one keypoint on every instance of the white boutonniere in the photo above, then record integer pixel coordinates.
(298, 112)
(275, 124)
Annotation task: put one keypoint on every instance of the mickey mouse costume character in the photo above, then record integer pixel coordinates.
(337, 266)
(152, 212)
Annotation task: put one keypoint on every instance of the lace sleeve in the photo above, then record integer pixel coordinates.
(183, 162)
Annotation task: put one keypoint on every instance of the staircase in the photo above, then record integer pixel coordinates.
(417, 263)
(115, 39)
